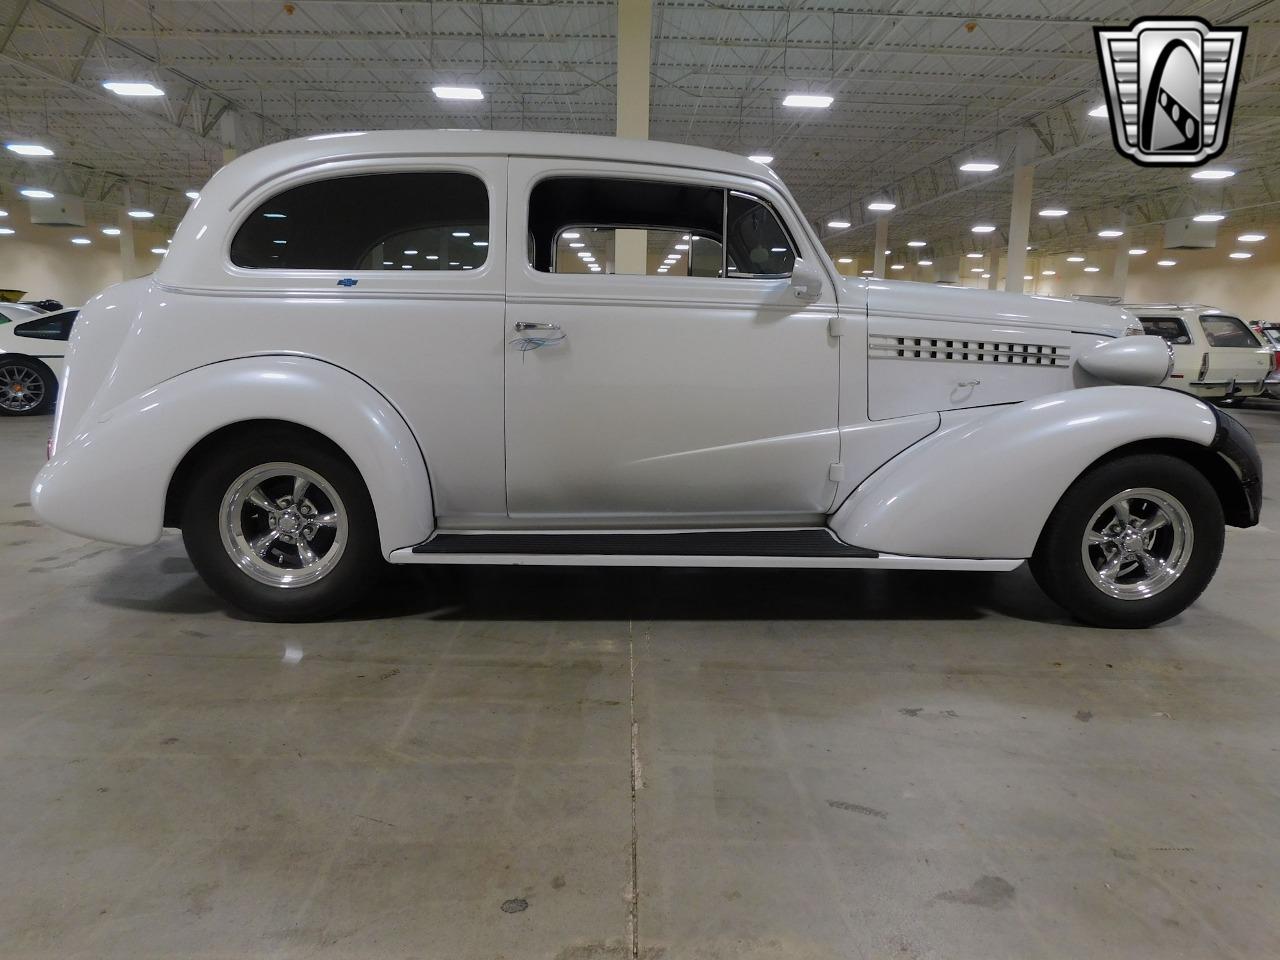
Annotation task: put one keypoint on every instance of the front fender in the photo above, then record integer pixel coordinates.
(983, 486)
(109, 481)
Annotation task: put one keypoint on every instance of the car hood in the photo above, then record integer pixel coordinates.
(929, 301)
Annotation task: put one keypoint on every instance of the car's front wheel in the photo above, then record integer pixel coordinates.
(28, 388)
(1132, 542)
(281, 526)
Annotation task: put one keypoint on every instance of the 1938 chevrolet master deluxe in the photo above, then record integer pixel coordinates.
(457, 347)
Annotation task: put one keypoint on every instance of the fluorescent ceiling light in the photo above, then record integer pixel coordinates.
(839, 224)
(407, 253)
(975, 269)
(761, 158)
(975, 255)
(1091, 269)
(777, 249)
(1251, 237)
(275, 216)
(986, 276)
(125, 88)
(479, 243)
(1108, 234)
(462, 233)
(1213, 173)
(577, 246)
(1027, 276)
(141, 214)
(387, 263)
(193, 194)
(1240, 255)
(6, 231)
(867, 273)
(1075, 259)
(80, 241)
(29, 149)
(1208, 217)
(897, 266)
(926, 263)
(571, 236)
(1053, 212)
(916, 243)
(160, 250)
(888, 252)
(881, 205)
(1137, 251)
(111, 231)
(1048, 273)
(458, 93)
(818, 100)
(406, 266)
(36, 194)
(431, 256)
(1099, 111)
(979, 166)
(984, 228)
(283, 242)
(682, 246)
(1166, 263)
(845, 260)
(4, 213)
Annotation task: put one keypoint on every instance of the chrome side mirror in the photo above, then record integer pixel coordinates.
(806, 281)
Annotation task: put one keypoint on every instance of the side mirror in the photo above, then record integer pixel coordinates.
(806, 281)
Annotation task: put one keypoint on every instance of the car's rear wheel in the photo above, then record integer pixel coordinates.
(281, 526)
(28, 388)
(1131, 543)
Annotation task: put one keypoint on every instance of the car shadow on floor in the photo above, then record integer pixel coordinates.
(160, 579)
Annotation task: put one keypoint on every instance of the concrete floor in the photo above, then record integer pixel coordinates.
(477, 764)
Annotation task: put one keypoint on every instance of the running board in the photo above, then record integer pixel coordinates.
(809, 547)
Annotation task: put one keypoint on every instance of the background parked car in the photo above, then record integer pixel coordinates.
(33, 350)
(1269, 334)
(1215, 355)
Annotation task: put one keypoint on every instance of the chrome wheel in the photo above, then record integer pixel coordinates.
(283, 525)
(1137, 544)
(21, 388)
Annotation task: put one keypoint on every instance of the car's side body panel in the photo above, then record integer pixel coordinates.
(986, 481)
(129, 453)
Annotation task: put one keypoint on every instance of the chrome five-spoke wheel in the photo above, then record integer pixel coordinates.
(22, 388)
(283, 524)
(1138, 543)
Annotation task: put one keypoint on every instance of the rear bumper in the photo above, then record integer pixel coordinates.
(1235, 444)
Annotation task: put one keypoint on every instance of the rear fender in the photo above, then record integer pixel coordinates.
(109, 481)
(984, 484)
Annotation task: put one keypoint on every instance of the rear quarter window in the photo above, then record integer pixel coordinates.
(1172, 329)
(1223, 331)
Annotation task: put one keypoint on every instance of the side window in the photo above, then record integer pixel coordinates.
(385, 221)
(1227, 332)
(51, 328)
(757, 243)
(1171, 328)
(607, 225)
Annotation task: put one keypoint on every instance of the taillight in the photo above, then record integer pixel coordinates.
(1275, 361)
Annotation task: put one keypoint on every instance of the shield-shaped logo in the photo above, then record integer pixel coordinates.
(1170, 83)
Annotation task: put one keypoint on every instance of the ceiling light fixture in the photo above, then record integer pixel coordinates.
(979, 166)
(897, 266)
(1166, 263)
(141, 214)
(880, 206)
(80, 241)
(1251, 237)
(845, 260)
(1213, 173)
(111, 231)
(1075, 259)
(1208, 217)
(193, 194)
(35, 193)
(1099, 111)
(984, 228)
(1137, 251)
(867, 273)
(926, 263)
(28, 149)
(126, 88)
(839, 224)
(916, 243)
(160, 250)
(458, 93)
(6, 231)
(1053, 212)
(975, 255)
(1091, 269)
(1240, 255)
(1108, 234)
(1027, 276)
(812, 100)
(975, 270)
(1048, 273)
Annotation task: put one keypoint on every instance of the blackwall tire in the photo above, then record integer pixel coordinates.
(280, 525)
(21, 379)
(1132, 542)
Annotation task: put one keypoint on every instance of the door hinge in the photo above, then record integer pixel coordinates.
(835, 326)
(836, 472)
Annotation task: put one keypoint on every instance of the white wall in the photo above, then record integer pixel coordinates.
(45, 263)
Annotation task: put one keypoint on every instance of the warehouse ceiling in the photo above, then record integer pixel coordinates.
(919, 87)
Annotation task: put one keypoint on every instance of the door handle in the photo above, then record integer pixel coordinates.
(522, 325)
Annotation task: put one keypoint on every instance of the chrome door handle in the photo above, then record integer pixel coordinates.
(528, 325)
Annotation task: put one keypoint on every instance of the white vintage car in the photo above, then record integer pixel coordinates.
(472, 347)
(1215, 355)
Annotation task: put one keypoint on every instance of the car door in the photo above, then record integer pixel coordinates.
(1235, 355)
(654, 376)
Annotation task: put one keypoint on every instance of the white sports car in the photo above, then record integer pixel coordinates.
(33, 346)
(479, 347)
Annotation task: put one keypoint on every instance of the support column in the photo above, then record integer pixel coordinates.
(1020, 212)
(128, 254)
(229, 128)
(635, 28)
(1120, 272)
(882, 244)
(947, 270)
(993, 281)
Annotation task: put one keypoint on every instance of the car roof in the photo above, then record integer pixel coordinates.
(1175, 307)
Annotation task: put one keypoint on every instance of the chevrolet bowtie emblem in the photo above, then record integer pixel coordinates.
(1170, 84)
